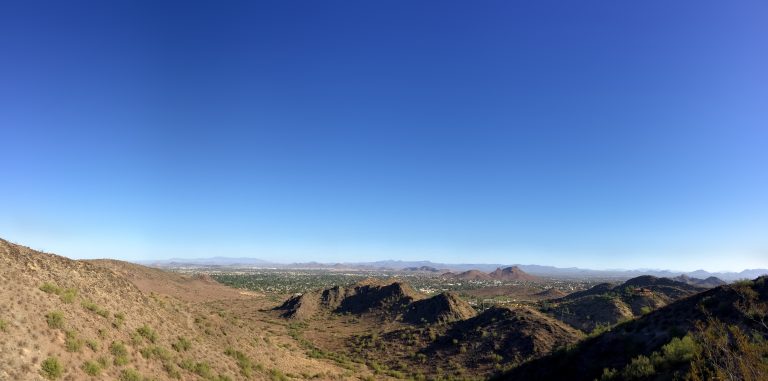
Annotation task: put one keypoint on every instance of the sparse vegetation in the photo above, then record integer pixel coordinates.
(3, 326)
(51, 368)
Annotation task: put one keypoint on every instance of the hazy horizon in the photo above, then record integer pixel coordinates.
(611, 135)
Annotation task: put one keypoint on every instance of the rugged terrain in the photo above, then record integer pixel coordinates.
(78, 320)
(606, 304)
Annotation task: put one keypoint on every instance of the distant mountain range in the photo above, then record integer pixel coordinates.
(432, 267)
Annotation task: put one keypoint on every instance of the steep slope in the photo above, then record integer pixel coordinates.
(195, 288)
(441, 308)
(607, 304)
(370, 296)
(741, 307)
(73, 319)
(503, 335)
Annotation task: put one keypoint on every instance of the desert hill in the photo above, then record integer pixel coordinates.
(441, 308)
(709, 282)
(722, 326)
(512, 273)
(607, 304)
(391, 300)
(504, 335)
(79, 320)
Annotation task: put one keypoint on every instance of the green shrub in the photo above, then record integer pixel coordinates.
(50, 288)
(155, 352)
(276, 375)
(182, 344)
(117, 348)
(645, 310)
(119, 320)
(103, 362)
(92, 344)
(130, 375)
(148, 333)
(68, 296)
(640, 367)
(680, 350)
(51, 368)
(3, 326)
(93, 307)
(203, 370)
(55, 319)
(91, 368)
(72, 342)
(245, 364)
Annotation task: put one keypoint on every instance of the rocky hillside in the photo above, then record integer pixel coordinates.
(716, 334)
(78, 320)
(503, 335)
(441, 308)
(607, 304)
(389, 300)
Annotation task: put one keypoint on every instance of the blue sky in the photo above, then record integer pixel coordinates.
(598, 134)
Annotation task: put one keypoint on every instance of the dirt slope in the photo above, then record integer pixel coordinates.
(75, 312)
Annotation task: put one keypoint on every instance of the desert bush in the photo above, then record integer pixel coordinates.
(103, 362)
(50, 288)
(93, 307)
(117, 348)
(245, 364)
(51, 368)
(72, 342)
(130, 375)
(155, 352)
(640, 367)
(91, 368)
(3, 326)
(55, 319)
(119, 320)
(92, 344)
(68, 295)
(182, 344)
(203, 369)
(148, 333)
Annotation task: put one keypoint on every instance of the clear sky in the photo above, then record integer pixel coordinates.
(598, 134)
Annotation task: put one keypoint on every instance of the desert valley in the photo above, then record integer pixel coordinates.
(106, 319)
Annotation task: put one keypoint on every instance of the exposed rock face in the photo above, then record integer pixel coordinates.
(441, 308)
(367, 296)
